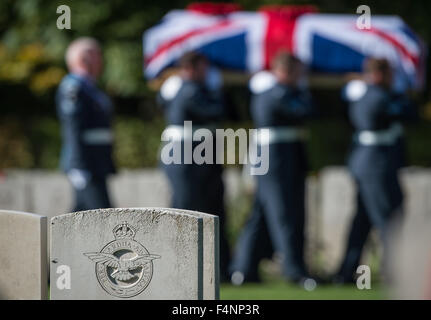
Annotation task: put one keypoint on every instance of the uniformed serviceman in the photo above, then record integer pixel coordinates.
(279, 205)
(190, 97)
(374, 161)
(85, 114)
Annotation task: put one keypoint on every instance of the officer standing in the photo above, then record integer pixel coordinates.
(199, 187)
(279, 208)
(85, 114)
(374, 161)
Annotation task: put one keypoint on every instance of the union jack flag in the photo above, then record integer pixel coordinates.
(247, 41)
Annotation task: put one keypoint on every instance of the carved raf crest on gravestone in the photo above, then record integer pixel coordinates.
(124, 267)
(156, 254)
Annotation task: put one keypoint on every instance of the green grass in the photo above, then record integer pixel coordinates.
(279, 290)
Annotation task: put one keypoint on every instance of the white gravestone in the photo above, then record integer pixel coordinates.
(51, 193)
(337, 210)
(139, 188)
(23, 256)
(14, 191)
(416, 184)
(211, 253)
(410, 261)
(140, 253)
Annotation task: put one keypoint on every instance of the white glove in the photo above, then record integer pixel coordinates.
(170, 87)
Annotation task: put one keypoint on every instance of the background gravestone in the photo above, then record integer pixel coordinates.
(211, 253)
(416, 184)
(139, 188)
(337, 209)
(410, 261)
(51, 193)
(127, 253)
(14, 191)
(23, 256)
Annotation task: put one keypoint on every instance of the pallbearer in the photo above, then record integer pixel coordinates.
(375, 159)
(85, 113)
(193, 97)
(280, 106)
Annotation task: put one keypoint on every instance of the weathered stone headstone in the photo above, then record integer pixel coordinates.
(23, 256)
(211, 253)
(127, 254)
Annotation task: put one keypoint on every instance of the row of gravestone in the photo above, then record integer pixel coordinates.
(330, 201)
(139, 253)
(36, 190)
(337, 207)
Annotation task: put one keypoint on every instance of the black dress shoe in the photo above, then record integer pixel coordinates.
(306, 282)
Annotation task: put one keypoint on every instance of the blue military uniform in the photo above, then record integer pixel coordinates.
(279, 207)
(194, 186)
(376, 156)
(85, 113)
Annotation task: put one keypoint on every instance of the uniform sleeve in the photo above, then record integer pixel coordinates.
(297, 103)
(70, 112)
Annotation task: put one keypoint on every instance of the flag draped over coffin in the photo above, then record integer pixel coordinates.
(247, 41)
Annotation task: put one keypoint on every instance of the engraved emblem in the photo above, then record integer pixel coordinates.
(124, 267)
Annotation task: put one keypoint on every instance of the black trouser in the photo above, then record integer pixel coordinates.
(278, 215)
(93, 196)
(379, 201)
(253, 245)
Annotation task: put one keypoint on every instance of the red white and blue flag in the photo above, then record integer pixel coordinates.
(247, 41)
